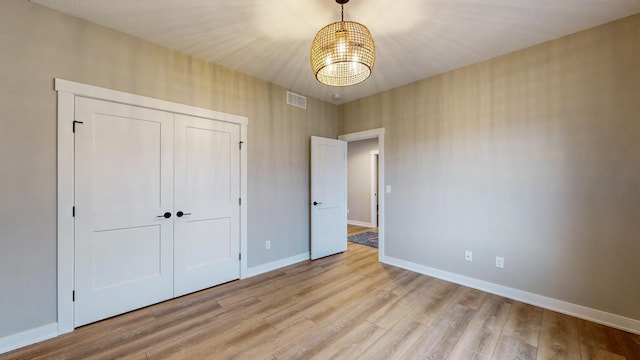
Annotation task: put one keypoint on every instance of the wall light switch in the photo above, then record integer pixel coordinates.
(388, 189)
(499, 262)
(468, 255)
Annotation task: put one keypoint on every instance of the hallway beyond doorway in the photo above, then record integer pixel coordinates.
(355, 229)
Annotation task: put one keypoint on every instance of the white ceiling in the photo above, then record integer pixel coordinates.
(415, 39)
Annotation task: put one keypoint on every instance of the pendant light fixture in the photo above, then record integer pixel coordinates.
(343, 53)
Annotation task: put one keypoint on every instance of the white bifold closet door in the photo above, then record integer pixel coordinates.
(157, 215)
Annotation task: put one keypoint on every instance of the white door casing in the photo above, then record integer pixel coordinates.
(124, 185)
(372, 134)
(207, 193)
(374, 188)
(328, 197)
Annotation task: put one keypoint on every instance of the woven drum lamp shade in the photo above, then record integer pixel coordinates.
(343, 54)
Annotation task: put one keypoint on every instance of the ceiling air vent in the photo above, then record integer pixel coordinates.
(296, 100)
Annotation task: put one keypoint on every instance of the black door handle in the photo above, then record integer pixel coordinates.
(316, 203)
(165, 215)
(181, 214)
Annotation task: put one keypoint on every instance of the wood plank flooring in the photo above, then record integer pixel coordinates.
(356, 229)
(346, 306)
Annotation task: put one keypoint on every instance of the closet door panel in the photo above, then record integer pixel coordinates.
(123, 187)
(207, 191)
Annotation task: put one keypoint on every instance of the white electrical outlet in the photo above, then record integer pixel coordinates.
(468, 255)
(267, 244)
(499, 262)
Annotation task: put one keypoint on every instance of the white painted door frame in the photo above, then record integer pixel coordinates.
(374, 188)
(67, 92)
(373, 134)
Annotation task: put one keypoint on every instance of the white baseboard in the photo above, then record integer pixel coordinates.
(28, 337)
(360, 223)
(261, 269)
(579, 311)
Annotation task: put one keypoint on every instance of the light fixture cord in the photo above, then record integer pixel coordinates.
(342, 12)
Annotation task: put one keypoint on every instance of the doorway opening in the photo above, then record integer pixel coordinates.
(365, 182)
(362, 169)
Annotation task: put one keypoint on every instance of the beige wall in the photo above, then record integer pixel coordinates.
(359, 179)
(38, 44)
(533, 156)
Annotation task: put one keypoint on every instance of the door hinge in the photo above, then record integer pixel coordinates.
(73, 295)
(239, 256)
(73, 212)
(239, 201)
(74, 124)
(241, 142)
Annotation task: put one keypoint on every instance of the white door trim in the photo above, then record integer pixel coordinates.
(67, 91)
(372, 134)
(374, 187)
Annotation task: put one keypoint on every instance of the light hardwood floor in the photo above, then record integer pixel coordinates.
(346, 306)
(355, 229)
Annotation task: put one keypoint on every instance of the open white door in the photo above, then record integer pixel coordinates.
(328, 197)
